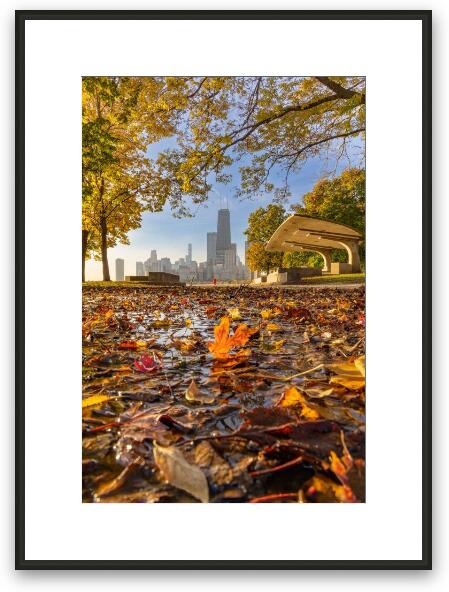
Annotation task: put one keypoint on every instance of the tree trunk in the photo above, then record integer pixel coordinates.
(84, 243)
(104, 250)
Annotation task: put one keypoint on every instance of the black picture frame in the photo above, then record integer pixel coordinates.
(425, 16)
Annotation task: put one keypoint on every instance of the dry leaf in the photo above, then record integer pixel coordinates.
(180, 473)
(193, 393)
(349, 374)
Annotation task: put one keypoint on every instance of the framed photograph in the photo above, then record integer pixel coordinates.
(243, 355)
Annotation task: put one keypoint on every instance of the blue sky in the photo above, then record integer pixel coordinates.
(170, 236)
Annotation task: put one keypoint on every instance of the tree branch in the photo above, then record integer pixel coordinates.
(339, 90)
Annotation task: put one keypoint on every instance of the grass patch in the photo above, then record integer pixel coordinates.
(344, 278)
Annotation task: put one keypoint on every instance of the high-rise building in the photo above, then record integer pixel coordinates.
(223, 234)
(230, 257)
(211, 246)
(189, 253)
(247, 243)
(165, 264)
(140, 270)
(119, 270)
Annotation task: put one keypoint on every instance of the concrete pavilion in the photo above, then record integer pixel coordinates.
(304, 233)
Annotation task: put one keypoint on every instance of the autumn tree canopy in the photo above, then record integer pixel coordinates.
(121, 117)
(275, 122)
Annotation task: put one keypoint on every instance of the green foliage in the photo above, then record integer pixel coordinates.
(301, 259)
(340, 199)
(261, 225)
(264, 221)
(258, 259)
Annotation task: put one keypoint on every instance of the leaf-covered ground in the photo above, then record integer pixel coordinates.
(224, 394)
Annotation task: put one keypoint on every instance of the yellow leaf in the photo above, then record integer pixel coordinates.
(273, 327)
(351, 375)
(359, 363)
(345, 369)
(95, 400)
(278, 344)
(188, 322)
(353, 383)
(234, 313)
(292, 397)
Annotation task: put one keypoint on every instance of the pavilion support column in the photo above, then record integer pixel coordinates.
(353, 255)
(326, 255)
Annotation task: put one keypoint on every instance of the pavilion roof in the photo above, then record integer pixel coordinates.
(299, 232)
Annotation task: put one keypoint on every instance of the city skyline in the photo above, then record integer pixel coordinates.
(222, 260)
(171, 235)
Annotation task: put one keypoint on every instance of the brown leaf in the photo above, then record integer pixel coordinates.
(194, 394)
(180, 473)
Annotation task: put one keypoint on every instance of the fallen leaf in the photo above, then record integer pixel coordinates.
(318, 393)
(95, 400)
(353, 383)
(348, 374)
(224, 342)
(118, 482)
(234, 313)
(185, 344)
(292, 397)
(180, 473)
(193, 394)
(147, 364)
(359, 363)
(322, 490)
(132, 344)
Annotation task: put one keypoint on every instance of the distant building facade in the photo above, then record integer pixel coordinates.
(212, 247)
(140, 270)
(119, 270)
(222, 261)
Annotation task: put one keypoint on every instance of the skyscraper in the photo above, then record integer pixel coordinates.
(211, 246)
(119, 270)
(223, 234)
(140, 268)
(247, 243)
(189, 253)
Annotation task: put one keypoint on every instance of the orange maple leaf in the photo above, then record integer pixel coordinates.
(224, 342)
